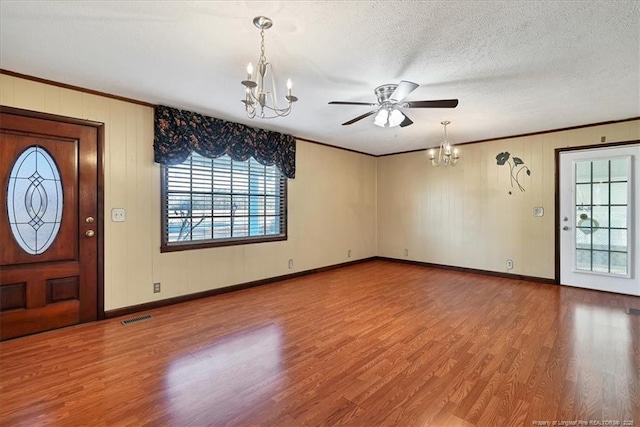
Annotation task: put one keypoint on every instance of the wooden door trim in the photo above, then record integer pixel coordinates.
(100, 190)
(557, 190)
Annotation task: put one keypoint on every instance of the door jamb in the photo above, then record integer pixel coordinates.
(557, 191)
(100, 190)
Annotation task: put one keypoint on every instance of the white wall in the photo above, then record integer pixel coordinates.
(331, 206)
(464, 216)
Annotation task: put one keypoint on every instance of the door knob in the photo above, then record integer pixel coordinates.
(89, 219)
(89, 233)
(565, 228)
(565, 219)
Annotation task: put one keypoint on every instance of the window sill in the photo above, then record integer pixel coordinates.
(186, 246)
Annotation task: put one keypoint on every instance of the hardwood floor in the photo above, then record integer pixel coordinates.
(377, 343)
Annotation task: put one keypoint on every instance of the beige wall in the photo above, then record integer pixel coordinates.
(339, 201)
(464, 216)
(331, 206)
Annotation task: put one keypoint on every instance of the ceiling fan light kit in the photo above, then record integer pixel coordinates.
(388, 109)
(258, 101)
(447, 155)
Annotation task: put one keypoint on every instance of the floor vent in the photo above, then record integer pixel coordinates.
(137, 319)
(634, 311)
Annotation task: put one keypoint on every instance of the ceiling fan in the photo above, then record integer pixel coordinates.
(390, 101)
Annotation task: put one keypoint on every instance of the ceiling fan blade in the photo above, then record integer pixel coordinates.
(403, 89)
(406, 122)
(352, 103)
(440, 103)
(352, 121)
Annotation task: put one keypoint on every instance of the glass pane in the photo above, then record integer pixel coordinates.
(619, 193)
(583, 172)
(583, 260)
(583, 239)
(619, 240)
(202, 229)
(256, 205)
(221, 205)
(600, 239)
(601, 215)
(600, 261)
(600, 171)
(619, 263)
(178, 204)
(271, 206)
(620, 169)
(271, 225)
(34, 200)
(221, 228)
(583, 194)
(240, 205)
(600, 194)
(618, 216)
(271, 185)
(240, 226)
(201, 205)
(256, 226)
(178, 229)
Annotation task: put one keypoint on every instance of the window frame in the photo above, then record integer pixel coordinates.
(165, 246)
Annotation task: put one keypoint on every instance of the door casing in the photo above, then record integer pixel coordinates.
(557, 191)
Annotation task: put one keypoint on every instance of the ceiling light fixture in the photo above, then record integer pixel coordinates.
(388, 117)
(259, 102)
(446, 156)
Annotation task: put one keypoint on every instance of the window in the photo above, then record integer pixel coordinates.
(602, 197)
(216, 202)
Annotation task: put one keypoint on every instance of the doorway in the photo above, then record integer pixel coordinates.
(598, 220)
(51, 225)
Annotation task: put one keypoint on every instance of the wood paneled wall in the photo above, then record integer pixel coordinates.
(331, 206)
(464, 216)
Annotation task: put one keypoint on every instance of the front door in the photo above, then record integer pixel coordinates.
(600, 219)
(48, 224)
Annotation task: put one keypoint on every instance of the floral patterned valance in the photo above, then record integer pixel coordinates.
(179, 132)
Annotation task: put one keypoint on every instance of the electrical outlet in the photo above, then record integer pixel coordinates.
(349, 253)
(509, 264)
(156, 288)
(406, 252)
(290, 264)
(118, 214)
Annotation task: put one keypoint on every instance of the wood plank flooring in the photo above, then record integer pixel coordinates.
(378, 343)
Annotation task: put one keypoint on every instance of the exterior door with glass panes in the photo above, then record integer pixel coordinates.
(599, 217)
(48, 224)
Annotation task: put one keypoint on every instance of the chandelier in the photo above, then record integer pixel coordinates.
(446, 157)
(258, 101)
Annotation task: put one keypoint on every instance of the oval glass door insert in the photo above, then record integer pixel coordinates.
(34, 200)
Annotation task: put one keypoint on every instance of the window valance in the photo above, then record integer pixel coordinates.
(179, 132)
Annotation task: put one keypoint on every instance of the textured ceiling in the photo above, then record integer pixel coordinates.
(516, 67)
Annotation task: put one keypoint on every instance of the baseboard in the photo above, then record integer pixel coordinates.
(125, 311)
(472, 270)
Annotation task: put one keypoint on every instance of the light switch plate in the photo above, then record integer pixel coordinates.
(118, 214)
(538, 211)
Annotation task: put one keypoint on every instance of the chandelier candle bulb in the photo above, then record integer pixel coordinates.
(250, 71)
(289, 86)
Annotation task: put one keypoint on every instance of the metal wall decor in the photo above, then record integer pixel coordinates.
(516, 166)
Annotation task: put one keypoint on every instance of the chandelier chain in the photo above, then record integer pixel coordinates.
(262, 57)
